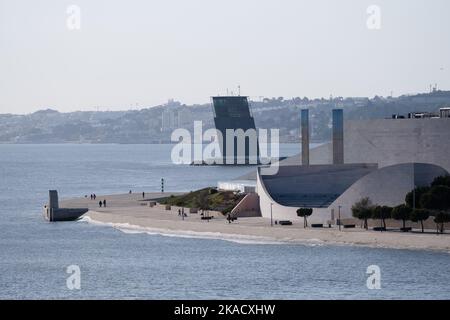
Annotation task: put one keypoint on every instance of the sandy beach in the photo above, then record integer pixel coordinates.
(130, 213)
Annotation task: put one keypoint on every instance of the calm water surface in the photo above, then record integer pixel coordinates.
(34, 254)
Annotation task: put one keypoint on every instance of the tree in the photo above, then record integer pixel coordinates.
(437, 198)
(417, 193)
(363, 210)
(402, 212)
(202, 202)
(305, 213)
(440, 219)
(420, 215)
(441, 181)
(382, 213)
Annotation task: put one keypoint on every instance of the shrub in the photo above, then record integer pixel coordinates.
(419, 192)
(437, 198)
(441, 181)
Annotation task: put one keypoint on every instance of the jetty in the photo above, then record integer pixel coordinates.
(52, 211)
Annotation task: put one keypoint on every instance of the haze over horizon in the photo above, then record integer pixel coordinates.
(140, 53)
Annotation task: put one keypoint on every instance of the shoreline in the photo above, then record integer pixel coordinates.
(179, 233)
(130, 214)
(317, 239)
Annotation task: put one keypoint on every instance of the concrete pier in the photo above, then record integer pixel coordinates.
(52, 211)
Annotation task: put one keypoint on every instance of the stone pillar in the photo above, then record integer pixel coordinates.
(53, 199)
(305, 136)
(338, 136)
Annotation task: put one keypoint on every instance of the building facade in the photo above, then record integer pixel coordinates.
(382, 159)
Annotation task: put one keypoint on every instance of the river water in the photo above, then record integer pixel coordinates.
(35, 254)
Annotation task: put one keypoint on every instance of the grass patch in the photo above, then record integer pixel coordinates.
(205, 199)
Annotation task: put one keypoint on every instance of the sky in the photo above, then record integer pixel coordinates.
(116, 55)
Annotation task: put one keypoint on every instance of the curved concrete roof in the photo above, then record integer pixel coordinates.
(389, 185)
(315, 186)
(385, 186)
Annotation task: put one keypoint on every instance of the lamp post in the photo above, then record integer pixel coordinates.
(339, 217)
(271, 218)
(414, 186)
(382, 219)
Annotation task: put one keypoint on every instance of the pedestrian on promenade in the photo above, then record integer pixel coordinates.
(104, 203)
(100, 204)
(143, 195)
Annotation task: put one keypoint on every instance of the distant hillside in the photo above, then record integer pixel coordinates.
(155, 124)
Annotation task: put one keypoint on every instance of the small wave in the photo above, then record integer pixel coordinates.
(236, 238)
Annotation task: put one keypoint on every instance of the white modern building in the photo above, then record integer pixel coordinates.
(331, 190)
(382, 159)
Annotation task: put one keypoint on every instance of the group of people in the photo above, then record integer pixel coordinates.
(230, 218)
(103, 203)
(143, 194)
(100, 203)
(181, 213)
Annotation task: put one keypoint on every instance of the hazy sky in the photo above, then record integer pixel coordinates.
(145, 52)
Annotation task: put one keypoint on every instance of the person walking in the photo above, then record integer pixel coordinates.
(104, 203)
(143, 195)
(100, 204)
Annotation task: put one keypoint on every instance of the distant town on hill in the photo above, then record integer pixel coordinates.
(155, 124)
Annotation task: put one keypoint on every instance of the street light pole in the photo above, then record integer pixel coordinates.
(271, 218)
(414, 186)
(339, 217)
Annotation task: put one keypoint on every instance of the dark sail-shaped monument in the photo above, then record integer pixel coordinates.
(233, 112)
